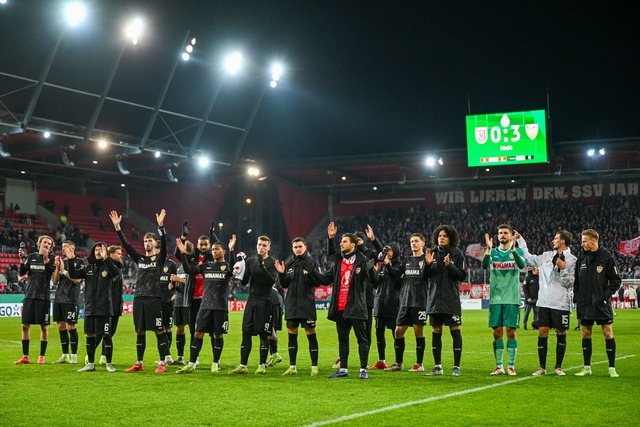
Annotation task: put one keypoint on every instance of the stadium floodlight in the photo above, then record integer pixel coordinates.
(185, 56)
(344, 178)
(220, 225)
(3, 1)
(95, 162)
(74, 13)
(253, 171)
(248, 200)
(134, 30)
(123, 185)
(602, 151)
(276, 71)
(430, 161)
(203, 161)
(193, 41)
(233, 63)
(273, 84)
(375, 188)
(23, 172)
(591, 152)
(189, 48)
(102, 144)
(156, 154)
(47, 134)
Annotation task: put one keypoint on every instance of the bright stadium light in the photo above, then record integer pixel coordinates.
(189, 48)
(440, 161)
(273, 84)
(591, 152)
(203, 161)
(134, 30)
(102, 144)
(156, 154)
(74, 13)
(602, 151)
(3, 1)
(430, 161)
(47, 134)
(276, 71)
(233, 63)
(185, 56)
(253, 171)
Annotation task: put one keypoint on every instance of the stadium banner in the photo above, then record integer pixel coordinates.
(127, 307)
(323, 293)
(322, 305)
(630, 247)
(11, 309)
(476, 251)
(471, 304)
(237, 305)
(475, 290)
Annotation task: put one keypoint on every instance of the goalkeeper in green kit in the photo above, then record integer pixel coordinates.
(505, 263)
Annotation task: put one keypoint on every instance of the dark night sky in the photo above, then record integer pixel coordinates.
(362, 76)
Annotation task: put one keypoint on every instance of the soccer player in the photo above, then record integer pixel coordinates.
(505, 263)
(147, 302)
(98, 307)
(596, 279)
(556, 271)
(446, 272)
(260, 274)
(36, 305)
(168, 297)
(300, 301)
(386, 301)
(277, 299)
(531, 289)
(413, 303)
(117, 284)
(65, 305)
(181, 308)
(213, 316)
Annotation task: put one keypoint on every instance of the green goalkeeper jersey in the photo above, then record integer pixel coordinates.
(505, 275)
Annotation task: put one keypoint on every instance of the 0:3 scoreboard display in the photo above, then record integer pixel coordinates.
(502, 139)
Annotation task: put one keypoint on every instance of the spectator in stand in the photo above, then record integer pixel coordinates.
(16, 208)
(96, 208)
(65, 210)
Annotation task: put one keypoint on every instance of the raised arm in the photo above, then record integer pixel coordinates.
(163, 236)
(116, 220)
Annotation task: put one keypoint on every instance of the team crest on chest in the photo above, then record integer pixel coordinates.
(166, 268)
(599, 269)
(153, 258)
(223, 267)
(510, 256)
(420, 264)
(104, 274)
(358, 270)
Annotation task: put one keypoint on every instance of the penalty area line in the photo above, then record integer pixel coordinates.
(440, 397)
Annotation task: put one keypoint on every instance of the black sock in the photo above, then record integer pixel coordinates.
(218, 345)
(264, 349)
(162, 345)
(107, 345)
(180, 343)
(91, 349)
(64, 341)
(420, 344)
(196, 346)
(141, 346)
(245, 348)
(586, 351)
(610, 345)
(293, 348)
(273, 345)
(169, 336)
(25, 347)
(457, 346)
(43, 348)
(436, 347)
(561, 348)
(382, 343)
(398, 344)
(73, 340)
(542, 351)
(313, 348)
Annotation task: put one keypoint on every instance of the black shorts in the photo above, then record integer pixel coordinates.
(590, 322)
(212, 322)
(35, 312)
(257, 317)
(552, 318)
(181, 316)
(147, 314)
(445, 319)
(305, 323)
(97, 325)
(277, 317)
(167, 315)
(67, 313)
(385, 322)
(409, 316)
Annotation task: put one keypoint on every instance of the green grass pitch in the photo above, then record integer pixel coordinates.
(57, 395)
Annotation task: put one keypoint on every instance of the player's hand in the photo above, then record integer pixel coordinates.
(561, 264)
(115, 219)
(279, 266)
(181, 246)
(160, 217)
(428, 256)
(185, 228)
(332, 230)
(447, 260)
(174, 277)
(369, 232)
(58, 262)
(516, 235)
(489, 241)
(103, 251)
(212, 226)
(232, 242)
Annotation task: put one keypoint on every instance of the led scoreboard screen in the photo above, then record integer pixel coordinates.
(503, 139)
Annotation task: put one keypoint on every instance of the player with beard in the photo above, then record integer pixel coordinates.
(65, 305)
(413, 303)
(300, 301)
(385, 307)
(260, 274)
(147, 302)
(446, 273)
(98, 307)
(556, 271)
(181, 311)
(37, 301)
(117, 285)
(213, 317)
(505, 263)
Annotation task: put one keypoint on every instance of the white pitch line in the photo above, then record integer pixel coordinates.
(435, 398)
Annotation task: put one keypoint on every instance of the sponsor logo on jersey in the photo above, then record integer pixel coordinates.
(507, 265)
(215, 276)
(164, 278)
(412, 272)
(145, 266)
(37, 267)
